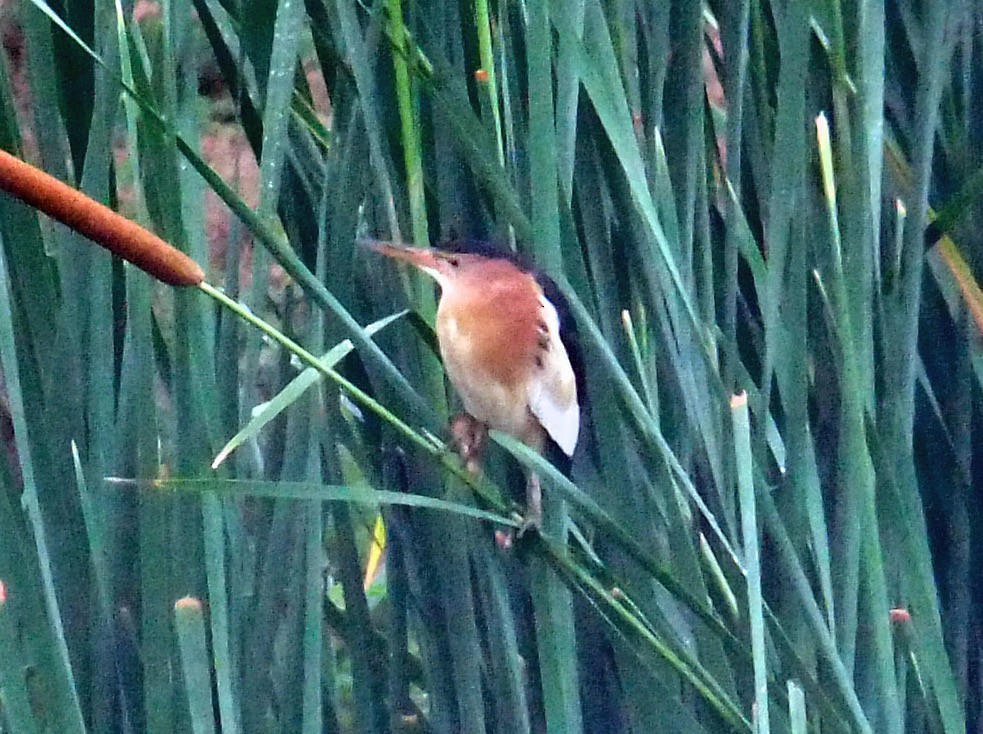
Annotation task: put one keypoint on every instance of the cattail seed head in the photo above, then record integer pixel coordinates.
(98, 222)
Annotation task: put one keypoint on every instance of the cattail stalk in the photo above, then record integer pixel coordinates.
(98, 222)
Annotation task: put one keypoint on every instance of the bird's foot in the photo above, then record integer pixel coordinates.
(534, 505)
(533, 521)
(529, 524)
(470, 436)
(507, 537)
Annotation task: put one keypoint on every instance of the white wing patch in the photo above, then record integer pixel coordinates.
(553, 389)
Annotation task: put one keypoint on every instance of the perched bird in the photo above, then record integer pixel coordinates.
(500, 337)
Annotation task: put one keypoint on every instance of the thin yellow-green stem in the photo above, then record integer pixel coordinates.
(488, 80)
(423, 295)
(410, 131)
(651, 399)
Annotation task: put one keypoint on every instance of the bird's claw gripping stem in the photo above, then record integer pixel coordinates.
(533, 519)
(534, 506)
(470, 436)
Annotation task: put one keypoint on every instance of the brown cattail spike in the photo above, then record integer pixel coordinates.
(188, 603)
(99, 223)
(900, 615)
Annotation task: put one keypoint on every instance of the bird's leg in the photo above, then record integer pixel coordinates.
(534, 514)
(534, 505)
(470, 436)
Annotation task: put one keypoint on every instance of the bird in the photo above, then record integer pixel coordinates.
(505, 351)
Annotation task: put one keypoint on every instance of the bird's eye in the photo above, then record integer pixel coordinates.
(453, 262)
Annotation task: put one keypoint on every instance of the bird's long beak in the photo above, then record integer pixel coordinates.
(423, 259)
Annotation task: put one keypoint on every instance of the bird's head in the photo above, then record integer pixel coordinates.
(449, 269)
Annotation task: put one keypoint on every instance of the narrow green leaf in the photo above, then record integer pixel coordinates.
(65, 708)
(797, 709)
(263, 414)
(752, 557)
(189, 620)
(313, 491)
(15, 699)
(287, 34)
